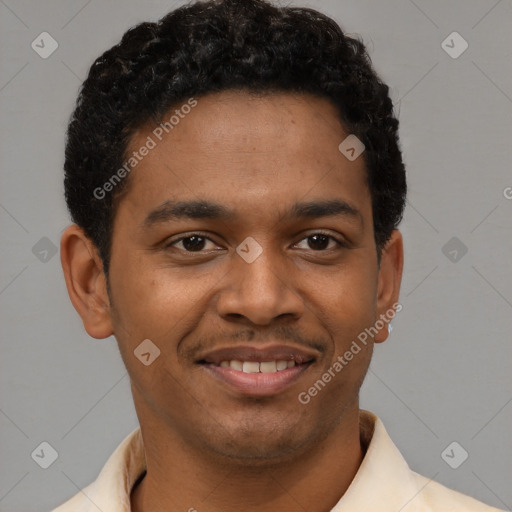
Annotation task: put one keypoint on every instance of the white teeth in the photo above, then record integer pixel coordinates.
(251, 367)
(282, 365)
(236, 365)
(268, 367)
(255, 366)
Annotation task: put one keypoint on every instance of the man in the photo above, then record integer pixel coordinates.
(236, 181)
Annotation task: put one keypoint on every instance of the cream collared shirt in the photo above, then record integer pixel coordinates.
(383, 483)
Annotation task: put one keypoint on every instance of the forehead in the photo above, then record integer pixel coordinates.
(246, 150)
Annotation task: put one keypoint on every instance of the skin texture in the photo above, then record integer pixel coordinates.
(207, 446)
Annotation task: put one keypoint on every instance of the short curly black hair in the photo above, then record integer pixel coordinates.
(212, 46)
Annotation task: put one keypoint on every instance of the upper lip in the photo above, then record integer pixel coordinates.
(259, 353)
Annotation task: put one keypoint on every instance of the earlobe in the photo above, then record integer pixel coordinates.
(390, 278)
(86, 282)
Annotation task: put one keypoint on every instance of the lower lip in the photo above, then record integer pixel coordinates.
(257, 384)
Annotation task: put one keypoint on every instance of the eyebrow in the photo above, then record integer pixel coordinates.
(180, 210)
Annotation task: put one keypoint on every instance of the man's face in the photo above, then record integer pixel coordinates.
(304, 298)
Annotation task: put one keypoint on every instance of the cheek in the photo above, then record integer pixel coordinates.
(150, 302)
(352, 293)
(349, 308)
(154, 310)
(156, 302)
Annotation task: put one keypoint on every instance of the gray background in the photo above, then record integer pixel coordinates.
(443, 376)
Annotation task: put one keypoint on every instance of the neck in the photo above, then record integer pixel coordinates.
(180, 478)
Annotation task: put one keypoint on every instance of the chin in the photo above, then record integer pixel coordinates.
(261, 445)
(250, 455)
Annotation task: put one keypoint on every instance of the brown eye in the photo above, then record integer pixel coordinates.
(320, 242)
(191, 243)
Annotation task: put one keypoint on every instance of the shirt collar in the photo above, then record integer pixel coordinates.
(382, 482)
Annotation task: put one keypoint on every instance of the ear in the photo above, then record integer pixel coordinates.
(85, 281)
(390, 278)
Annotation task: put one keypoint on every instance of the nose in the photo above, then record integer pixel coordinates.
(261, 291)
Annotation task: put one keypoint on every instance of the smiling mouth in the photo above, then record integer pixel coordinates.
(257, 378)
(257, 372)
(257, 367)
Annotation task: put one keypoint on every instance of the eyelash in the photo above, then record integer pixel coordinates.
(340, 243)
